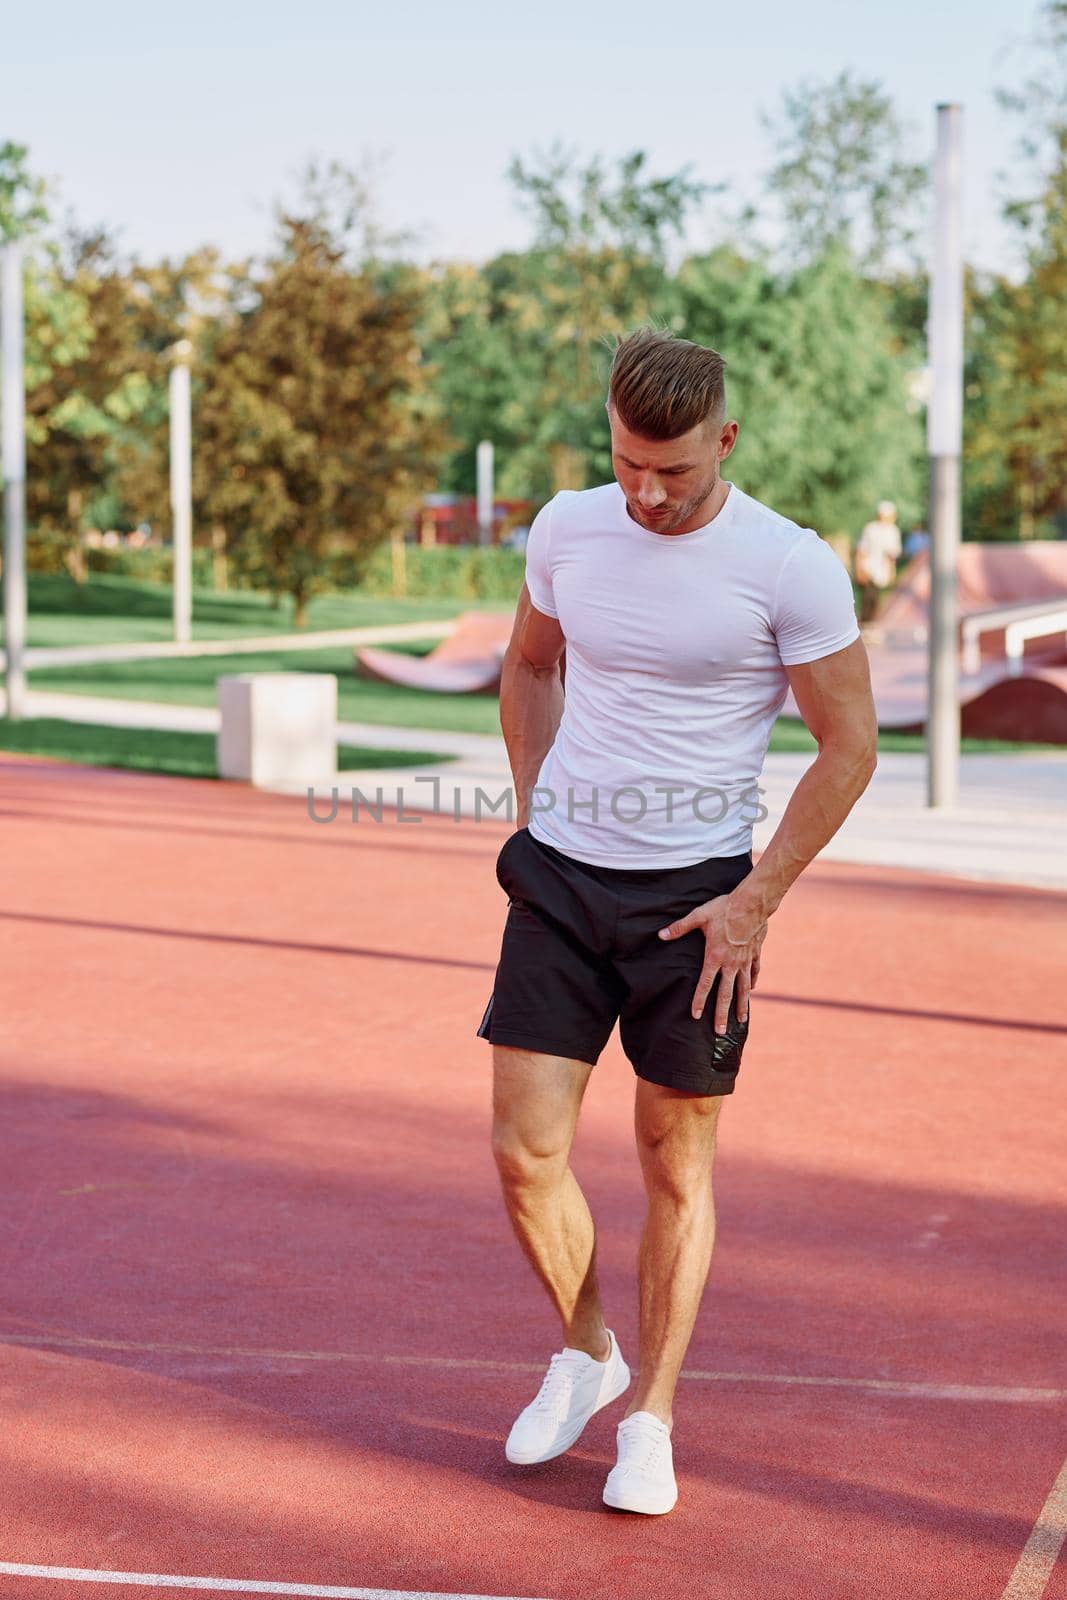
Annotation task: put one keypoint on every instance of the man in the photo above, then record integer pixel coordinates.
(687, 609)
(877, 554)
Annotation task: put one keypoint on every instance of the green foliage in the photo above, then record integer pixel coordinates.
(314, 431)
(48, 551)
(1016, 441)
(818, 372)
(818, 383)
(468, 337)
(186, 755)
(843, 178)
(315, 435)
(97, 406)
(578, 208)
(59, 334)
(23, 195)
(523, 349)
(442, 572)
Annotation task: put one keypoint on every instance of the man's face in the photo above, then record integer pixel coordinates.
(669, 483)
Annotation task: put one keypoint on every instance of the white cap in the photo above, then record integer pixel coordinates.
(886, 508)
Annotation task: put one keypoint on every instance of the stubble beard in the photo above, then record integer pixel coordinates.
(684, 512)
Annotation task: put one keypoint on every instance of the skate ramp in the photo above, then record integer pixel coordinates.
(468, 661)
(988, 576)
(994, 704)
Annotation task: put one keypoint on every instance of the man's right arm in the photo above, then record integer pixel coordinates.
(531, 696)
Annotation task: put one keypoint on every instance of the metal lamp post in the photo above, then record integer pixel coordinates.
(181, 488)
(13, 465)
(485, 491)
(944, 419)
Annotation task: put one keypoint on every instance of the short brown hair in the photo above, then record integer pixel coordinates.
(661, 386)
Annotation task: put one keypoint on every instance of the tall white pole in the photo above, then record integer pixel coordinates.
(944, 435)
(181, 489)
(13, 466)
(485, 492)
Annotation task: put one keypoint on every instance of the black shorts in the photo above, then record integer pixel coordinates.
(580, 951)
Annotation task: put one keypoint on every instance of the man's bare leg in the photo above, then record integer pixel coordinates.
(676, 1145)
(536, 1100)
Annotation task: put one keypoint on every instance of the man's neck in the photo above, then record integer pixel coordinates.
(711, 507)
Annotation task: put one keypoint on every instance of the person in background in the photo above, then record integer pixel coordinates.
(915, 542)
(877, 554)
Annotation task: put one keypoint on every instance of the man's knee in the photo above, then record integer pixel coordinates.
(525, 1161)
(536, 1099)
(666, 1118)
(676, 1143)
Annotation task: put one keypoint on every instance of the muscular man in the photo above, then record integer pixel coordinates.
(687, 609)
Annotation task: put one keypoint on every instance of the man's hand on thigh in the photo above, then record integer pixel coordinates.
(732, 945)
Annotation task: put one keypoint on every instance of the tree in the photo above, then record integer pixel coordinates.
(1016, 443)
(842, 177)
(165, 302)
(56, 316)
(23, 194)
(598, 266)
(316, 434)
(89, 365)
(98, 412)
(817, 381)
(473, 346)
(526, 354)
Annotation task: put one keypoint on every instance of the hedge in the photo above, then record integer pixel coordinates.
(445, 572)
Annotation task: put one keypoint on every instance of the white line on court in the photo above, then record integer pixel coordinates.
(1041, 1552)
(900, 1387)
(162, 1580)
(894, 1386)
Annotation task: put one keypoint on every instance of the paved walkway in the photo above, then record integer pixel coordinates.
(1010, 825)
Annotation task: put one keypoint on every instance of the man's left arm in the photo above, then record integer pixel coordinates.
(834, 697)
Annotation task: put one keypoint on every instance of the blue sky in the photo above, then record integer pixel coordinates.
(179, 125)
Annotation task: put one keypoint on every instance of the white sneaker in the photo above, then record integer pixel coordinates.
(575, 1387)
(643, 1477)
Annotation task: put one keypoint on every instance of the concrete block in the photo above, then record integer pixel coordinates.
(277, 727)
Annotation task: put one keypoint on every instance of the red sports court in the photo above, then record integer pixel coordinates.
(264, 1325)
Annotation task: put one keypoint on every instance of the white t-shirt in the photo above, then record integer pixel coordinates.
(675, 652)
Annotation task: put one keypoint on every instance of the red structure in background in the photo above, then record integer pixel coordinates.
(453, 519)
(997, 583)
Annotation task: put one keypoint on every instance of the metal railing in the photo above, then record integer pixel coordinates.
(1036, 620)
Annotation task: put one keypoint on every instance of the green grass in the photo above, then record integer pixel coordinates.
(186, 755)
(190, 680)
(115, 610)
